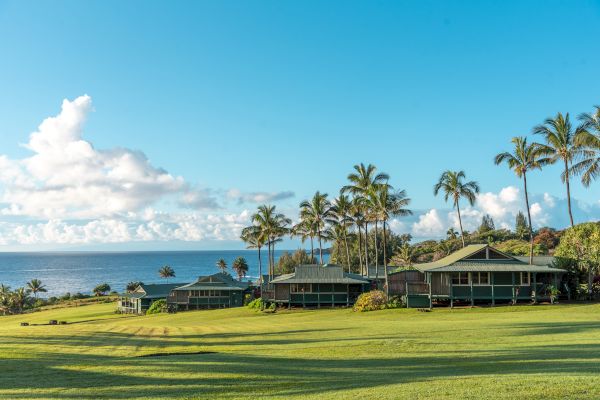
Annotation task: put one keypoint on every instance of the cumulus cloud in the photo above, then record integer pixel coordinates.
(503, 207)
(66, 177)
(258, 197)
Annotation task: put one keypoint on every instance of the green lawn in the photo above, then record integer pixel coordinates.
(525, 352)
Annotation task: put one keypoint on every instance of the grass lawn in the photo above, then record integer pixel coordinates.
(525, 352)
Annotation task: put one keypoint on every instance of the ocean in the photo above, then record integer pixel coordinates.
(81, 271)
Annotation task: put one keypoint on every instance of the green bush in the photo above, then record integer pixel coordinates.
(248, 298)
(159, 306)
(395, 302)
(371, 301)
(256, 304)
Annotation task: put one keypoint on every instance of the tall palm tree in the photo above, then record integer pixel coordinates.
(305, 230)
(274, 226)
(5, 298)
(255, 238)
(524, 157)
(358, 220)
(561, 144)
(240, 266)
(341, 213)
(36, 286)
(222, 265)
(20, 298)
(166, 272)
(589, 140)
(453, 185)
(388, 204)
(364, 180)
(318, 211)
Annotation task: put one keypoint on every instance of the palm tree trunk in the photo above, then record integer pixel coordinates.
(347, 250)
(360, 261)
(320, 248)
(260, 277)
(312, 250)
(376, 256)
(367, 248)
(568, 191)
(529, 217)
(462, 234)
(385, 271)
(269, 256)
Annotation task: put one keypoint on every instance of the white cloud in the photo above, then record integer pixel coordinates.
(429, 224)
(66, 177)
(258, 197)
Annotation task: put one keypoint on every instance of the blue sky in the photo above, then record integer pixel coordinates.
(243, 99)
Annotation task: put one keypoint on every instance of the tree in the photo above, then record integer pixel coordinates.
(102, 289)
(289, 261)
(305, 230)
(363, 181)
(318, 212)
(526, 157)
(5, 299)
(166, 272)
(521, 226)
(388, 204)
(562, 143)
(487, 224)
(132, 286)
(341, 212)
(582, 244)
(35, 286)
(222, 266)
(589, 140)
(20, 298)
(255, 238)
(240, 266)
(451, 183)
(405, 256)
(451, 233)
(273, 226)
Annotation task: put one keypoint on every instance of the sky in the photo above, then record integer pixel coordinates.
(160, 125)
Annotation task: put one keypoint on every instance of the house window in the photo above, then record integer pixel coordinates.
(460, 278)
(480, 278)
(301, 288)
(524, 279)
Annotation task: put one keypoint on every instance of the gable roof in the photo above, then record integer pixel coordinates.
(152, 291)
(462, 261)
(218, 281)
(320, 274)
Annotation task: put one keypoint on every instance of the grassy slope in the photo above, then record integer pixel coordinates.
(521, 352)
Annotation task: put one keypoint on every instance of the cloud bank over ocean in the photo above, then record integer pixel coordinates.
(69, 192)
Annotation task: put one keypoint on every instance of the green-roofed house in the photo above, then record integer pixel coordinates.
(315, 285)
(481, 273)
(138, 301)
(213, 291)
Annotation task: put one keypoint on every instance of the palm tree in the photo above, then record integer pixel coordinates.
(525, 157)
(451, 183)
(35, 286)
(240, 266)
(405, 255)
(132, 286)
(364, 180)
(166, 272)
(341, 215)
(305, 230)
(222, 266)
(5, 299)
(358, 220)
(451, 233)
(387, 204)
(20, 298)
(274, 226)
(561, 144)
(255, 239)
(318, 212)
(589, 140)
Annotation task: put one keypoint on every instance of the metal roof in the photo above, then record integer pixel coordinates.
(152, 291)
(537, 260)
(217, 281)
(456, 262)
(320, 274)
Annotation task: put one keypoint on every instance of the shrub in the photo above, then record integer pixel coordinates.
(159, 306)
(256, 304)
(248, 299)
(395, 302)
(371, 301)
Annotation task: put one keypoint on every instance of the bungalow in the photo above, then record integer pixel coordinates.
(214, 291)
(480, 273)
(314, 285)
(140, 300)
